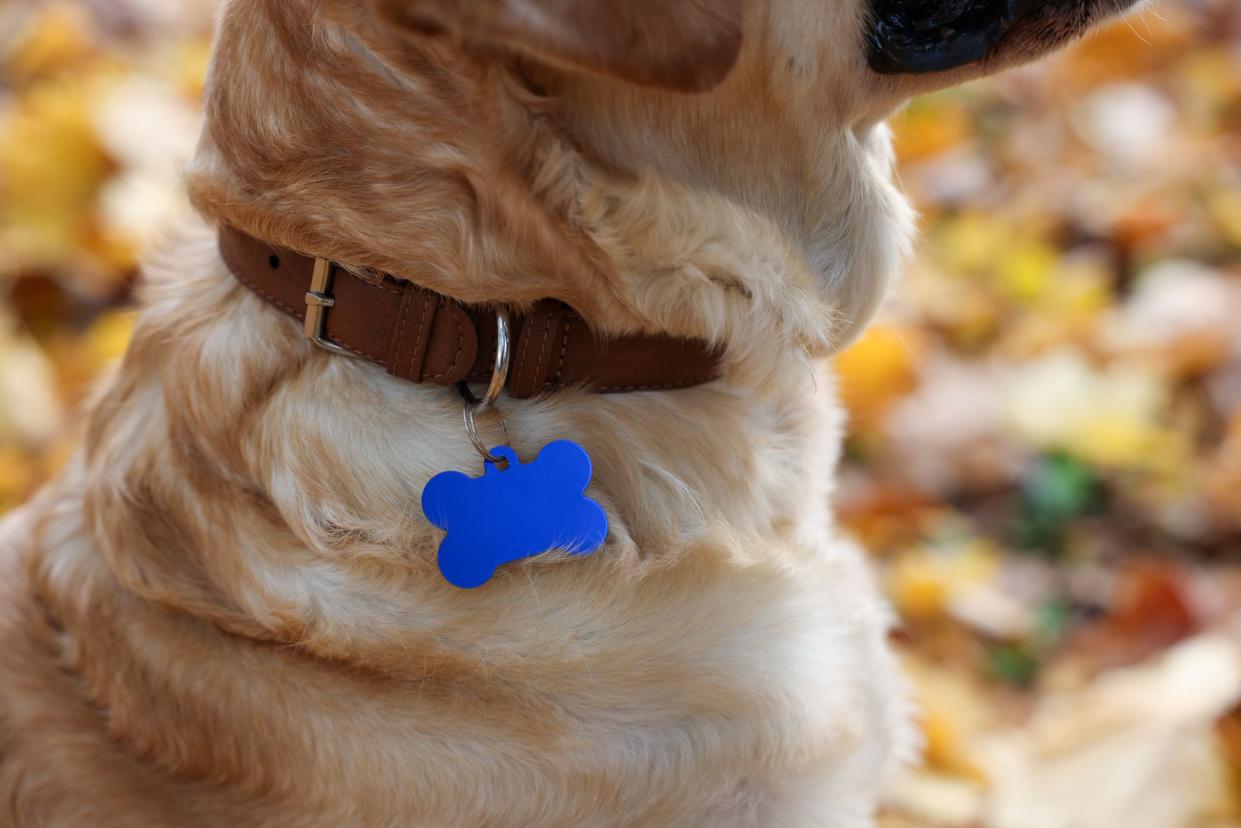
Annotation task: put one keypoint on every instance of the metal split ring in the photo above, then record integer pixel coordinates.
(499, 378)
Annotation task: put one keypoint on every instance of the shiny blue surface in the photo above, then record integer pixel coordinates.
(515, 513)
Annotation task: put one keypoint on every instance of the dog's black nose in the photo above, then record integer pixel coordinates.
(919, 36)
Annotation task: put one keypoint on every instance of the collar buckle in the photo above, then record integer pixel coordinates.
(318, 300)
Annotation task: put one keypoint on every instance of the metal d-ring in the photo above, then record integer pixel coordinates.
(499, 378)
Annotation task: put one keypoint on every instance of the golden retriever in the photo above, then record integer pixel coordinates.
(226, 611)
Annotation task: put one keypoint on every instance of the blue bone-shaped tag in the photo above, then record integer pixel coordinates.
(515, 513)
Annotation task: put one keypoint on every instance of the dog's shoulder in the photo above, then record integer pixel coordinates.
(63, 760)
(54, 753)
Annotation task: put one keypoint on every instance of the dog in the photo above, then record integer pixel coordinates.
(227, 610)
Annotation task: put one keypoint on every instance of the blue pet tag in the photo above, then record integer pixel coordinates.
(514, 513)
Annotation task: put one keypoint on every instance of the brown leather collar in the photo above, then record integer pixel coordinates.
(422, 336)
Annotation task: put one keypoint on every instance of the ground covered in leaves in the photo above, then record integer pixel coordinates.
(1045, 451)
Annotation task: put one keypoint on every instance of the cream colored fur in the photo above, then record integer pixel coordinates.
(226, 610)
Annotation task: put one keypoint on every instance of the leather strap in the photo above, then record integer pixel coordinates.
(422, 336)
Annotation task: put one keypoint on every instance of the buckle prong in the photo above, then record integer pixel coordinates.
(318, 300)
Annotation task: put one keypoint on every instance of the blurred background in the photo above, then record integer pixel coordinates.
(1045, 451)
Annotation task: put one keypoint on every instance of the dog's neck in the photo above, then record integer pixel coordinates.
(288, 480)
(237, 473)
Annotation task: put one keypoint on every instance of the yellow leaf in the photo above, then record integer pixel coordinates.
(1225, 209)
(930, 126)
(191, 67)
(1210, 84)
(1023, 269)
(57, 38)
(971, 243)
(108, 338)
(16, 476)
(51, 166)
(954, 711)
(921, 584)
(877, 370)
